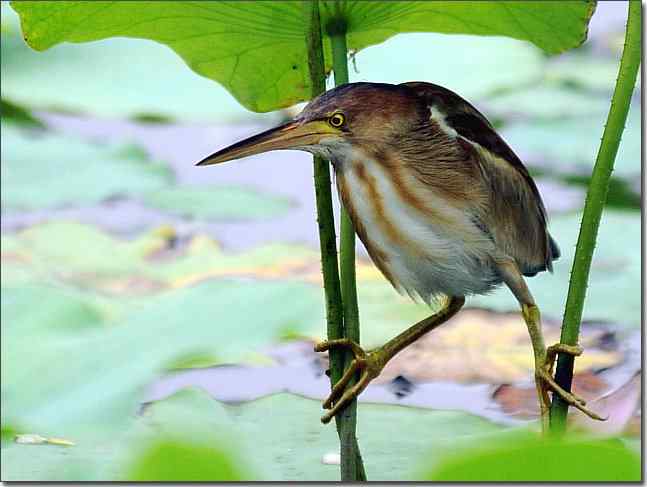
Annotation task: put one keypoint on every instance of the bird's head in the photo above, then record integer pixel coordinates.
(352, 116)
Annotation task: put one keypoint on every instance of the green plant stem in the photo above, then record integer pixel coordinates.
(595, 199)
(352, 467)
(347, 231)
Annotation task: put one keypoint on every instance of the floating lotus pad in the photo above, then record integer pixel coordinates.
(217, 203)
(48, 170)
(275, 438)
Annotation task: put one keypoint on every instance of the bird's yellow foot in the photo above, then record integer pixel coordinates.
(545, 383)
(544, 361)
(368, 364)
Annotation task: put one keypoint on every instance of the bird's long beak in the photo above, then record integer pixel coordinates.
(292, 135)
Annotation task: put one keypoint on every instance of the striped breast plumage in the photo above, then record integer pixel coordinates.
(422, 243)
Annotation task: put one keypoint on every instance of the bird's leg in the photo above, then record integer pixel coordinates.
(370, 364)
(544, 357)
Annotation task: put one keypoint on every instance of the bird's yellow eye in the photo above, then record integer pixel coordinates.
(337, 120)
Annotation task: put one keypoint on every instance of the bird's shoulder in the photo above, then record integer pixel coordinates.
(466, 120)
(517, 195)
(470, 124)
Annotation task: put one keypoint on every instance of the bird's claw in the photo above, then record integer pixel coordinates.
(546, 382)
(367, 364)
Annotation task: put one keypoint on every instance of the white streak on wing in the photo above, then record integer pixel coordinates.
(439, 117)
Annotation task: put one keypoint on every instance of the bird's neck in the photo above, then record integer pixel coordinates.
(345, 156)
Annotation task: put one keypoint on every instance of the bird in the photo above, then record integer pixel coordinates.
(442, 204)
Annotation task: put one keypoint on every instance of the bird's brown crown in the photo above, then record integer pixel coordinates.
(369, 111)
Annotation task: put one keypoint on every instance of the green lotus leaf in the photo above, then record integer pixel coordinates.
(277, 438)
(529, 458)
(256, 50)
(45, 170)
(570, 144)
(217, 203)
(613, 293)
(96, 78)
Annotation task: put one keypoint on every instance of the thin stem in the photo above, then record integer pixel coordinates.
(352, 467)
(347, 232)
(595, 200)
(323, 194)
(350, 471)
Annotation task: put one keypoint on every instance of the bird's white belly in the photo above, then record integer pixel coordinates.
(422, 256)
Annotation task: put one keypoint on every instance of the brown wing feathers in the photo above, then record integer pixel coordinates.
(511, 219)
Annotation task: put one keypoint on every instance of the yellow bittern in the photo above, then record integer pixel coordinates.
(442, 204)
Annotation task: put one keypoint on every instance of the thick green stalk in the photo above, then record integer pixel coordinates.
(323, 194)
(347, 232)
(595, 200)
(352, 467)
(351, 470)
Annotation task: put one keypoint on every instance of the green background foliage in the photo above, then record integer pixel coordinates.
(260, 55)
(523, 457)
(115, 312)
(72, 171)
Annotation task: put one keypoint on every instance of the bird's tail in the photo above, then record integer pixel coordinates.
(555, 253)
(552, 253)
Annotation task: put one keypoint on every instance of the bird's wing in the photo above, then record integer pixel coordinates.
(517, 216)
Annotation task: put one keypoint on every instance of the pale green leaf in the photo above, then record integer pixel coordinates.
(432, 57)
(543, 101)
(67, 363)
(44, 169)
(117, 77)
(279, 437)
(168, 459)
(76, 254)
(89, 72)
(217, 203)
(529, 458)
(257, 49)
(613, 292)
(588, 72)
(569, 145)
